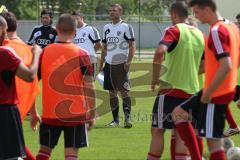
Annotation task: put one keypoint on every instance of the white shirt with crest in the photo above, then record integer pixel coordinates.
(117, 37)
(86, 37)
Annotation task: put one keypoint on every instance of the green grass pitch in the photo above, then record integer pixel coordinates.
(120, 143)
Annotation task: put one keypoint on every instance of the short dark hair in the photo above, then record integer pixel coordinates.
(117, 6)
(204, 3)
(11, 21)
(181, 8)
(44, 11)
(3, 22)
(238, 16)
(66, 24)
(76, 13)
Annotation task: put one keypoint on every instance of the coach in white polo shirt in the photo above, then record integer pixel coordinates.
(118, 51)
(87, 37)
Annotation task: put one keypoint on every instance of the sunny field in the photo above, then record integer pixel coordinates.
(119, 143)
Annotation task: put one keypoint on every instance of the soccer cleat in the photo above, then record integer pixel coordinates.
(127, 124)
(113, 124)
(231, 131)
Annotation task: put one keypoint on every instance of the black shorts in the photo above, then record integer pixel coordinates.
(237, 93)
(74, 137)
(162, 111)
(11, 135)
(115, 77)
(210, 118)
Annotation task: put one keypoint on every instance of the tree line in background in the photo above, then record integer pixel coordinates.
(30, 9)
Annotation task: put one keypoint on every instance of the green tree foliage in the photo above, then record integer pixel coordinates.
(154, 7)
(23, 9)
(29, 9)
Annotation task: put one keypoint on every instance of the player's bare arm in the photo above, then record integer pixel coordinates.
(89, 92)
(103, 55)
(221, 74)
(97, 46)
(201, 67)
(132, 49)
(35, 117)
(29, 73)
(157, 61)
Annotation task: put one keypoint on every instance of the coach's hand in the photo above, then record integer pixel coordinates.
(154, 84)
(34, 121)
(90, 124)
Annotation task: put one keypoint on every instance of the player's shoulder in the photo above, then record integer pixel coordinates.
(219, 30)
(219, 27)
(172, 29)
(37, 27)
(9, 50)
(53, 27)
(107, 25)
(17, 42)
(189, 27)
(185, 25)
(123, 23)
(82, 52)
(90, 28)
(53, 30)
(59, 46)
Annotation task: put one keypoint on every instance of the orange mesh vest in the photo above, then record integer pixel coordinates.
(212, 65)
(62, 82)
(26, 91)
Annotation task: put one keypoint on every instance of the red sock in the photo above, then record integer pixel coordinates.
(230, 119)
(71, 157)
(29, 155)
(200, 144)
(172, 147)
(188, 135)
(218, 155)
(43, 156)
(153, 157)
(181, 156)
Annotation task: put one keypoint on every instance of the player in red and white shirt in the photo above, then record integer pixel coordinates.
(170, 38)
(168, 99)
(11, 136)
(221, 64)
(219, 43)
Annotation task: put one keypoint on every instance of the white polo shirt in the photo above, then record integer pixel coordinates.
(86, 37)
(117, 37)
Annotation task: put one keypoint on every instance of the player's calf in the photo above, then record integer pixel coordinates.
(71, 153)
(186, 132)
(181, 151)
(157, 143)
(44, 153)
